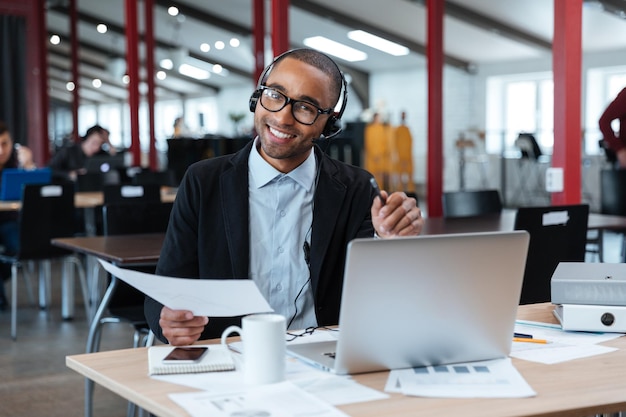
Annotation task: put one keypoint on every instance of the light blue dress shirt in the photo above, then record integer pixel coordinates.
(281, 215)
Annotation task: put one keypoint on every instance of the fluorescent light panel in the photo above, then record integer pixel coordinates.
(379, 43)
(335, 49)
(194, 72)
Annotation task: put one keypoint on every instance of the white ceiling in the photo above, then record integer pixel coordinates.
(524, 31)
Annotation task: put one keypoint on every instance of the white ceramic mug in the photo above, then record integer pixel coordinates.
(264, 347)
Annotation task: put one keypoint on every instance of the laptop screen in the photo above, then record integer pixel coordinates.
(104, 163)
(14, 178)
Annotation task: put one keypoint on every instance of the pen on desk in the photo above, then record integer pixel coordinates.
(523, 335)
(529, 340)
(377, 190)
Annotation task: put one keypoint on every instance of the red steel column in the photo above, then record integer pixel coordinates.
(258, 36)
(41, 141)
(132, 60)
(434, 56)
(567, 63)
(149, 44)
(280, 26)
(74, 67)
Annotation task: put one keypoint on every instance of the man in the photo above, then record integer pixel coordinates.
(279, 211)
(69, 161)
(617, 143)
(11, 156)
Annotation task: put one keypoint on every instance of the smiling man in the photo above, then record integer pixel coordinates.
(280, 211)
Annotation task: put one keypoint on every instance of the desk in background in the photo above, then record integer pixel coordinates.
(580, 387)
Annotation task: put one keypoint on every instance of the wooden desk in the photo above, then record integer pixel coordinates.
(580, 387)
(506, 222)
(122, 250)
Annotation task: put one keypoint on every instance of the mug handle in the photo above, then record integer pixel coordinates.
(228, 331)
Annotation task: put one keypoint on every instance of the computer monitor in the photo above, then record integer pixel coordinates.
(105, 163)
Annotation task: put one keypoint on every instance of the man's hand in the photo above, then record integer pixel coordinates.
(181, 327)
(399, 216)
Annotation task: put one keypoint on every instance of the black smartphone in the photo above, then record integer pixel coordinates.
(186, 355)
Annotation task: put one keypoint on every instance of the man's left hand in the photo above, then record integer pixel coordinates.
(399, 216)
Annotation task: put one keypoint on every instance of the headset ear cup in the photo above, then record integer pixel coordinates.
(332, 127)
(254, 98)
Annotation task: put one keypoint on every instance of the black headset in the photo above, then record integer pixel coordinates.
(333, 124)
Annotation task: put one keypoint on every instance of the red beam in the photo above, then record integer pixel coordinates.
(132, 60)
(258, 34)
(434, 56)
(567, 63)
(149, 44)
(280, 26)
(74, 67)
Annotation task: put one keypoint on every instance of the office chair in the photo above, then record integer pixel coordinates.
(127, 193)
(163, 178)
(471, 203)
(557, 234)
(121, 303)
(45, 214)
(613, 201)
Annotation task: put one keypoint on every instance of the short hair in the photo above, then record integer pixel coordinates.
(94, 129)
(3, 128)
(318, 60)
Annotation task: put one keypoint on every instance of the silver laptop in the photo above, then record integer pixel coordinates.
(427, 300)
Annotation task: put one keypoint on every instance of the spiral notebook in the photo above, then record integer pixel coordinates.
(218, 358)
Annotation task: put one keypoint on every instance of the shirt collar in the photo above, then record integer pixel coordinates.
(261, 172)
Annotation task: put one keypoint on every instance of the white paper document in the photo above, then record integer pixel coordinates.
(276, 400)
(562, 345)
(204, 297)
(486, 379)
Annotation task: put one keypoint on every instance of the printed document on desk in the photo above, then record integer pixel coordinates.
(204, 297)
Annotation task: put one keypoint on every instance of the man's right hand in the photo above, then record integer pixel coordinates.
(181, 327)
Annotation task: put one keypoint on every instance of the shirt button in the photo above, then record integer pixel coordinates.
(279, 287)
(282, 213)
(281, 249)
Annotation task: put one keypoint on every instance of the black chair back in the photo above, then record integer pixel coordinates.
(471, 203)
(47, 212)
(613, 191)
(95, 181)
(132, 218)
(163, 178)
(557, 234)
(126, 193)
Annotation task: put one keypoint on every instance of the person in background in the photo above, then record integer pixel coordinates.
(280, 211)
(11, 156)
(69, 161)
(616, 142)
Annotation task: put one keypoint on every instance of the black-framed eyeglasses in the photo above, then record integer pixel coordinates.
(303, 111)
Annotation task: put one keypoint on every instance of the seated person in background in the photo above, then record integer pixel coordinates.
(280, 211)
(11, 156)
(69, 161)
(615, 142)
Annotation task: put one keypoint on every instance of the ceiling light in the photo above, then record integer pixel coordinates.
(161, 75)
(166, 63)
(234, 42)
(194, 72)
(55, 39)
(70, 86)
(102, 28)
(335, 49)
(97, 83)
(172, 11)
(379, 43)
(217, 68)
(219, 45)
(126, 79)
(205, 47)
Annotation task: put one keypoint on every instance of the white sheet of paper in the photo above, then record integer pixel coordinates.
(564, 346)
(277, 400)
(204, 297)
(486, 379)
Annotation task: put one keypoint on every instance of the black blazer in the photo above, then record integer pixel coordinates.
(208, 233)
